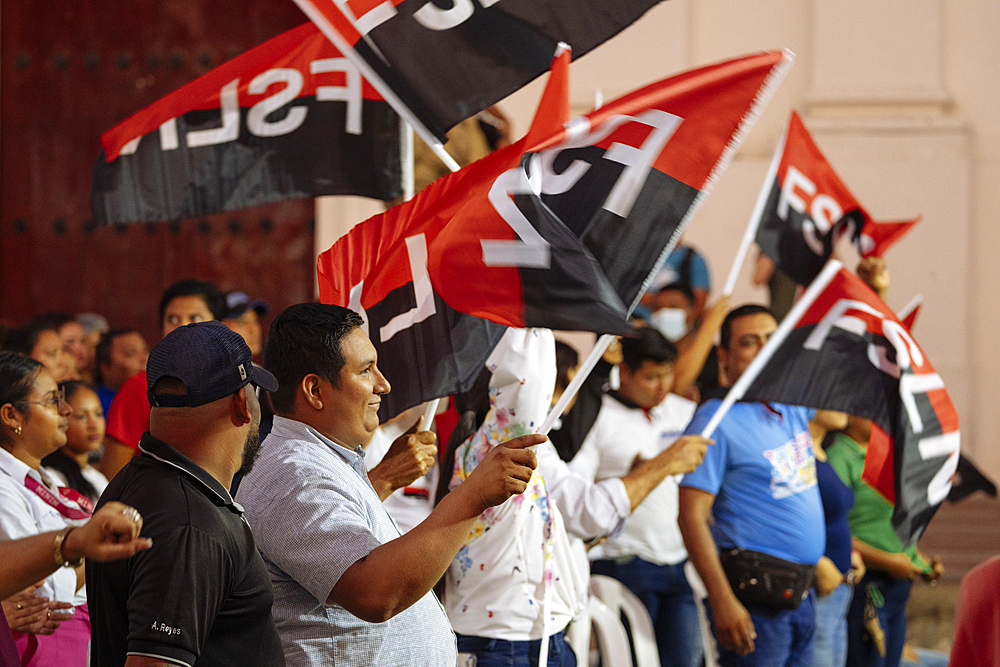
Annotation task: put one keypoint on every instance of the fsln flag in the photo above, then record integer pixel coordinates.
(908, 314)
(447, 61)
(628, 177)
(288, 119)
(846, 351)
(806, 207)
(380, 269)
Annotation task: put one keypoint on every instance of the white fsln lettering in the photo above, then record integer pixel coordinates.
(909, 386)
(257, 122)
(416, 249)
(824, 210)
(946, 444)
(907, 352)
(230, 130)
(370, 19)
(638, 161)
(578, 135)
(433, 17)
(789, 198)
(531, 250)
(350, 93)
(354, 303)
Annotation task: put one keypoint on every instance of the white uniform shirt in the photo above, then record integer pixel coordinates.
(620, 434)
(23, 514)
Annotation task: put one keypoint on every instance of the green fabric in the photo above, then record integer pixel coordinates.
(871, 517)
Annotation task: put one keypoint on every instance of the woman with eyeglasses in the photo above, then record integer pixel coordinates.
(70, 465)
(33, 423)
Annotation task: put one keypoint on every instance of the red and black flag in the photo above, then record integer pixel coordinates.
(522, 241)
(846, 351)
(291, 118)
(446, 61)
(804, 209)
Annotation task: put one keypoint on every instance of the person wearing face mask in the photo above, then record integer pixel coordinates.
(675, 318)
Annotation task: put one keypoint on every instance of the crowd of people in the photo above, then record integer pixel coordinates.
(258, 512)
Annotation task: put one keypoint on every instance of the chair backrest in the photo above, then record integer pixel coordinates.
(621, 600)
(612, 640)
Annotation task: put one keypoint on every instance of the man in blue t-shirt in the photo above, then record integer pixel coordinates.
(756, 491)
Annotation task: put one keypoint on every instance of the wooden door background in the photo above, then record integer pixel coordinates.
(70, 71)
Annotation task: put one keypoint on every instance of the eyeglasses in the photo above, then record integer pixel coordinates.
(53, 400)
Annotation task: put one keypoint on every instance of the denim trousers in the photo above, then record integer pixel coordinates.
(503, 653)
(861, 651)
(831, 627)
(667, 596)
(785, 638)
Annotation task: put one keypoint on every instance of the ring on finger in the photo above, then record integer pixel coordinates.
(20, 606)
(132, 513)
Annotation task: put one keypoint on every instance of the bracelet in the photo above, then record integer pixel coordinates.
(849, 577)
(57, 551)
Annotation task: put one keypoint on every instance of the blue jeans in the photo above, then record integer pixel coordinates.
(861, 651)
(831, 627)
(503, 653)
(668, 598)
(784, 638)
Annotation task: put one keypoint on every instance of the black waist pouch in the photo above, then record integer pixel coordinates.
(767, 581)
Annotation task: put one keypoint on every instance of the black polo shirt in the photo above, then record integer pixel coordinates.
(201, 595)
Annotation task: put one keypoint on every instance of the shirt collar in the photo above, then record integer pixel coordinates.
(16, 468)
(304, 431)
(167, 455)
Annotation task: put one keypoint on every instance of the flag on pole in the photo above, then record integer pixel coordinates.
(291, 118)
(445, 64)
(804, 209)
(841, 348)
(523, 242)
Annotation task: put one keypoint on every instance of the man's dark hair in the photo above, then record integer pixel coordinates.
(24, 338)
(306, 338)
(650, 345)
(742, 311)
(209, 293)
(566, 358)
(683, 289)
(102, 353)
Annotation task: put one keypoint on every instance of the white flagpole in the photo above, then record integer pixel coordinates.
(574, 385)
(758, 211)
(776, 339)
(384, 90)
(908, 309)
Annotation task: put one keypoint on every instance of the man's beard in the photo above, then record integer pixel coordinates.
(251, 450)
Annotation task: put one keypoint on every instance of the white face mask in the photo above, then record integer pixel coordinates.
(671, 322)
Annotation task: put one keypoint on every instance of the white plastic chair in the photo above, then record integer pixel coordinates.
(620, 600)
(612, 639)
(700, 595)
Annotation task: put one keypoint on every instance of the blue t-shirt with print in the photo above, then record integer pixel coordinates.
(762, 473)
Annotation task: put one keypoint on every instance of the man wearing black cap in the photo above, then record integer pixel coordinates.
(243, 316)
(201, 595)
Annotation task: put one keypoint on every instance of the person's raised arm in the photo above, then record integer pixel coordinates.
(395, 575)
(112, 533)
(409, 458)
(733, 625)
(691, 360)
(683, 456)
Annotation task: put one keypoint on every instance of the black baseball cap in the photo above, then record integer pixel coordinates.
(211, 360)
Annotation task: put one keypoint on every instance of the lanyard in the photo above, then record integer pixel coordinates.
(65, 493)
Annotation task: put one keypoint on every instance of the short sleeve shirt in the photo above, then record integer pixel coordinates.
(128, 416)
(314, 514)
(762, 473)
(201, 594)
